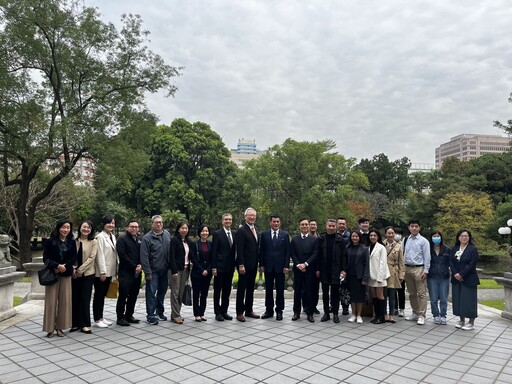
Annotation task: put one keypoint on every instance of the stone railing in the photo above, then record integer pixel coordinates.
(506, 281)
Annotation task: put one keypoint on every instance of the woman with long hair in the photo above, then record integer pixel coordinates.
(83, 277)
(201, 273)
(395, 259)
(438, 280)
(358, 274)
(463, 259)
(105, 269)
(379, 273)
(59, 254)
(181, 250)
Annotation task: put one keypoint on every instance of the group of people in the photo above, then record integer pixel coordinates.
(350, 266)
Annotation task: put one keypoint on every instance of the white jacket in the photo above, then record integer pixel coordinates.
(379, 270)
(106, 258)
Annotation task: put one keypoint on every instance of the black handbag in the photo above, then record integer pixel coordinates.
(187, 294)
(47, 276)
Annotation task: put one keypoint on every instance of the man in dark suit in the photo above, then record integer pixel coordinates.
(363, 226)
(223, 267)
(274, 262)
(303, 251)
(247, 264)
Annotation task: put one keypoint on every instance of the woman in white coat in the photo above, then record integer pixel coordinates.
(106, 268)
(379, 272)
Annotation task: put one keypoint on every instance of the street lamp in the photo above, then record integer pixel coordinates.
(507, 231)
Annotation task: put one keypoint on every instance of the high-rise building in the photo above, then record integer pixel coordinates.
(245, 150)
(470, 146)
(246, 147)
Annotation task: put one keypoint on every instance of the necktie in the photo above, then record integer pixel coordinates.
(229, 238)
(303, 237)
(254, 233)
(275, 236)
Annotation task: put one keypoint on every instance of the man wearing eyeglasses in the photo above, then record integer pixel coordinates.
(154, 255)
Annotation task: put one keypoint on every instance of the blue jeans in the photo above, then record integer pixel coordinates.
(438, 292)
(156, 288)
(391, 295)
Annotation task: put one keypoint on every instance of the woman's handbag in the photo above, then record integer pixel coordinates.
(187, 294)
(113, 288)
(47, 276)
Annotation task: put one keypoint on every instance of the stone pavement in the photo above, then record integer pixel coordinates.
(257, 351)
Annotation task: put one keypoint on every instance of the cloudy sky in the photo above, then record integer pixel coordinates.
(394, 77)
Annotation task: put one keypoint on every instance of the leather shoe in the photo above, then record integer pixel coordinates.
(252, 315)
(86, 330)
(279, 316)
(345, 312)
(311, 319)
(123, 322)
(74, 329)
(227, 317)
(132, 320)
(219, 317)
(325, 317)
(267, 315)
(336, 318)
(316, 311)
(296, 317)
(240, 318)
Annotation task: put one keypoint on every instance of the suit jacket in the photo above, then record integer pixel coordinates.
(304, 251)
(379, 270)
(223, 254)
(89, 252)
(128, 249)
(274, 254)
(246, 248)
(52, 255)
(466, 266)
(338, 261)
(177, 258)
(106, 258)
(201, 261)
(360, 263)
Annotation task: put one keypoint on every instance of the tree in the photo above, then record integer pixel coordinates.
(387, 177)
(66, 80)
(190, 172)
(472, 211)
(299, 179)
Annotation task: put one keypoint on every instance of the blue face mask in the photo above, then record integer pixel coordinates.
(436, 240)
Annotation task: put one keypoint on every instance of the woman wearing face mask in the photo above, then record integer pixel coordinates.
(438, 277)
(463, 259)
(201, 274)
(396, 269)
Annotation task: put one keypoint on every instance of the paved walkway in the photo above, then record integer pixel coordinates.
(258, 351)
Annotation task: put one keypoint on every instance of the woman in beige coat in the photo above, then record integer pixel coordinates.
(83, 277)
(106, 268)
(396, 269)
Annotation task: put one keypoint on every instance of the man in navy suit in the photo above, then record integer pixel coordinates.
(223, 267)
(274, 262)
(247, 264)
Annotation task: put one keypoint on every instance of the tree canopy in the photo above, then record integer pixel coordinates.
(67, 79)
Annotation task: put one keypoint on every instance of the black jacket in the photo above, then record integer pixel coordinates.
(359, 265)
(223, 254)
(466, 266)
(128, 250)
(177, 259)
(57, 252)
(304, 251)
(246, 249)
(201, 261)
(440, 264)
(338, 261)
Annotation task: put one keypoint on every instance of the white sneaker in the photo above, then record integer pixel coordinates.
(468, 327)
(443, 321)
(108, 322)
(413, 317)
(421, 320)
(459, 324)
(352, 319)
(359, 320)
(99, 324)
(401, 313)
(437, 320)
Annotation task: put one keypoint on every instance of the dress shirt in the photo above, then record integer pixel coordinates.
(417, 252)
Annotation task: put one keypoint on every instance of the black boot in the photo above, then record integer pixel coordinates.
(375, 311)
(382, 310)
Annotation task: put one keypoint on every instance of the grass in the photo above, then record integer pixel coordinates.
(489, 284)
(17, 301)
(498, 304)
(26, 279)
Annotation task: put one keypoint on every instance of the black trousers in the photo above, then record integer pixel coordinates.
(129, 287)
(245, 292)
(200, 286)
(222, 285)
(315, 291)
(98, 302)
(304, 285)
(334, 297)
(270, 278)
(81, 299)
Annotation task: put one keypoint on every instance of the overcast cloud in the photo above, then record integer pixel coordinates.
(398, 77)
